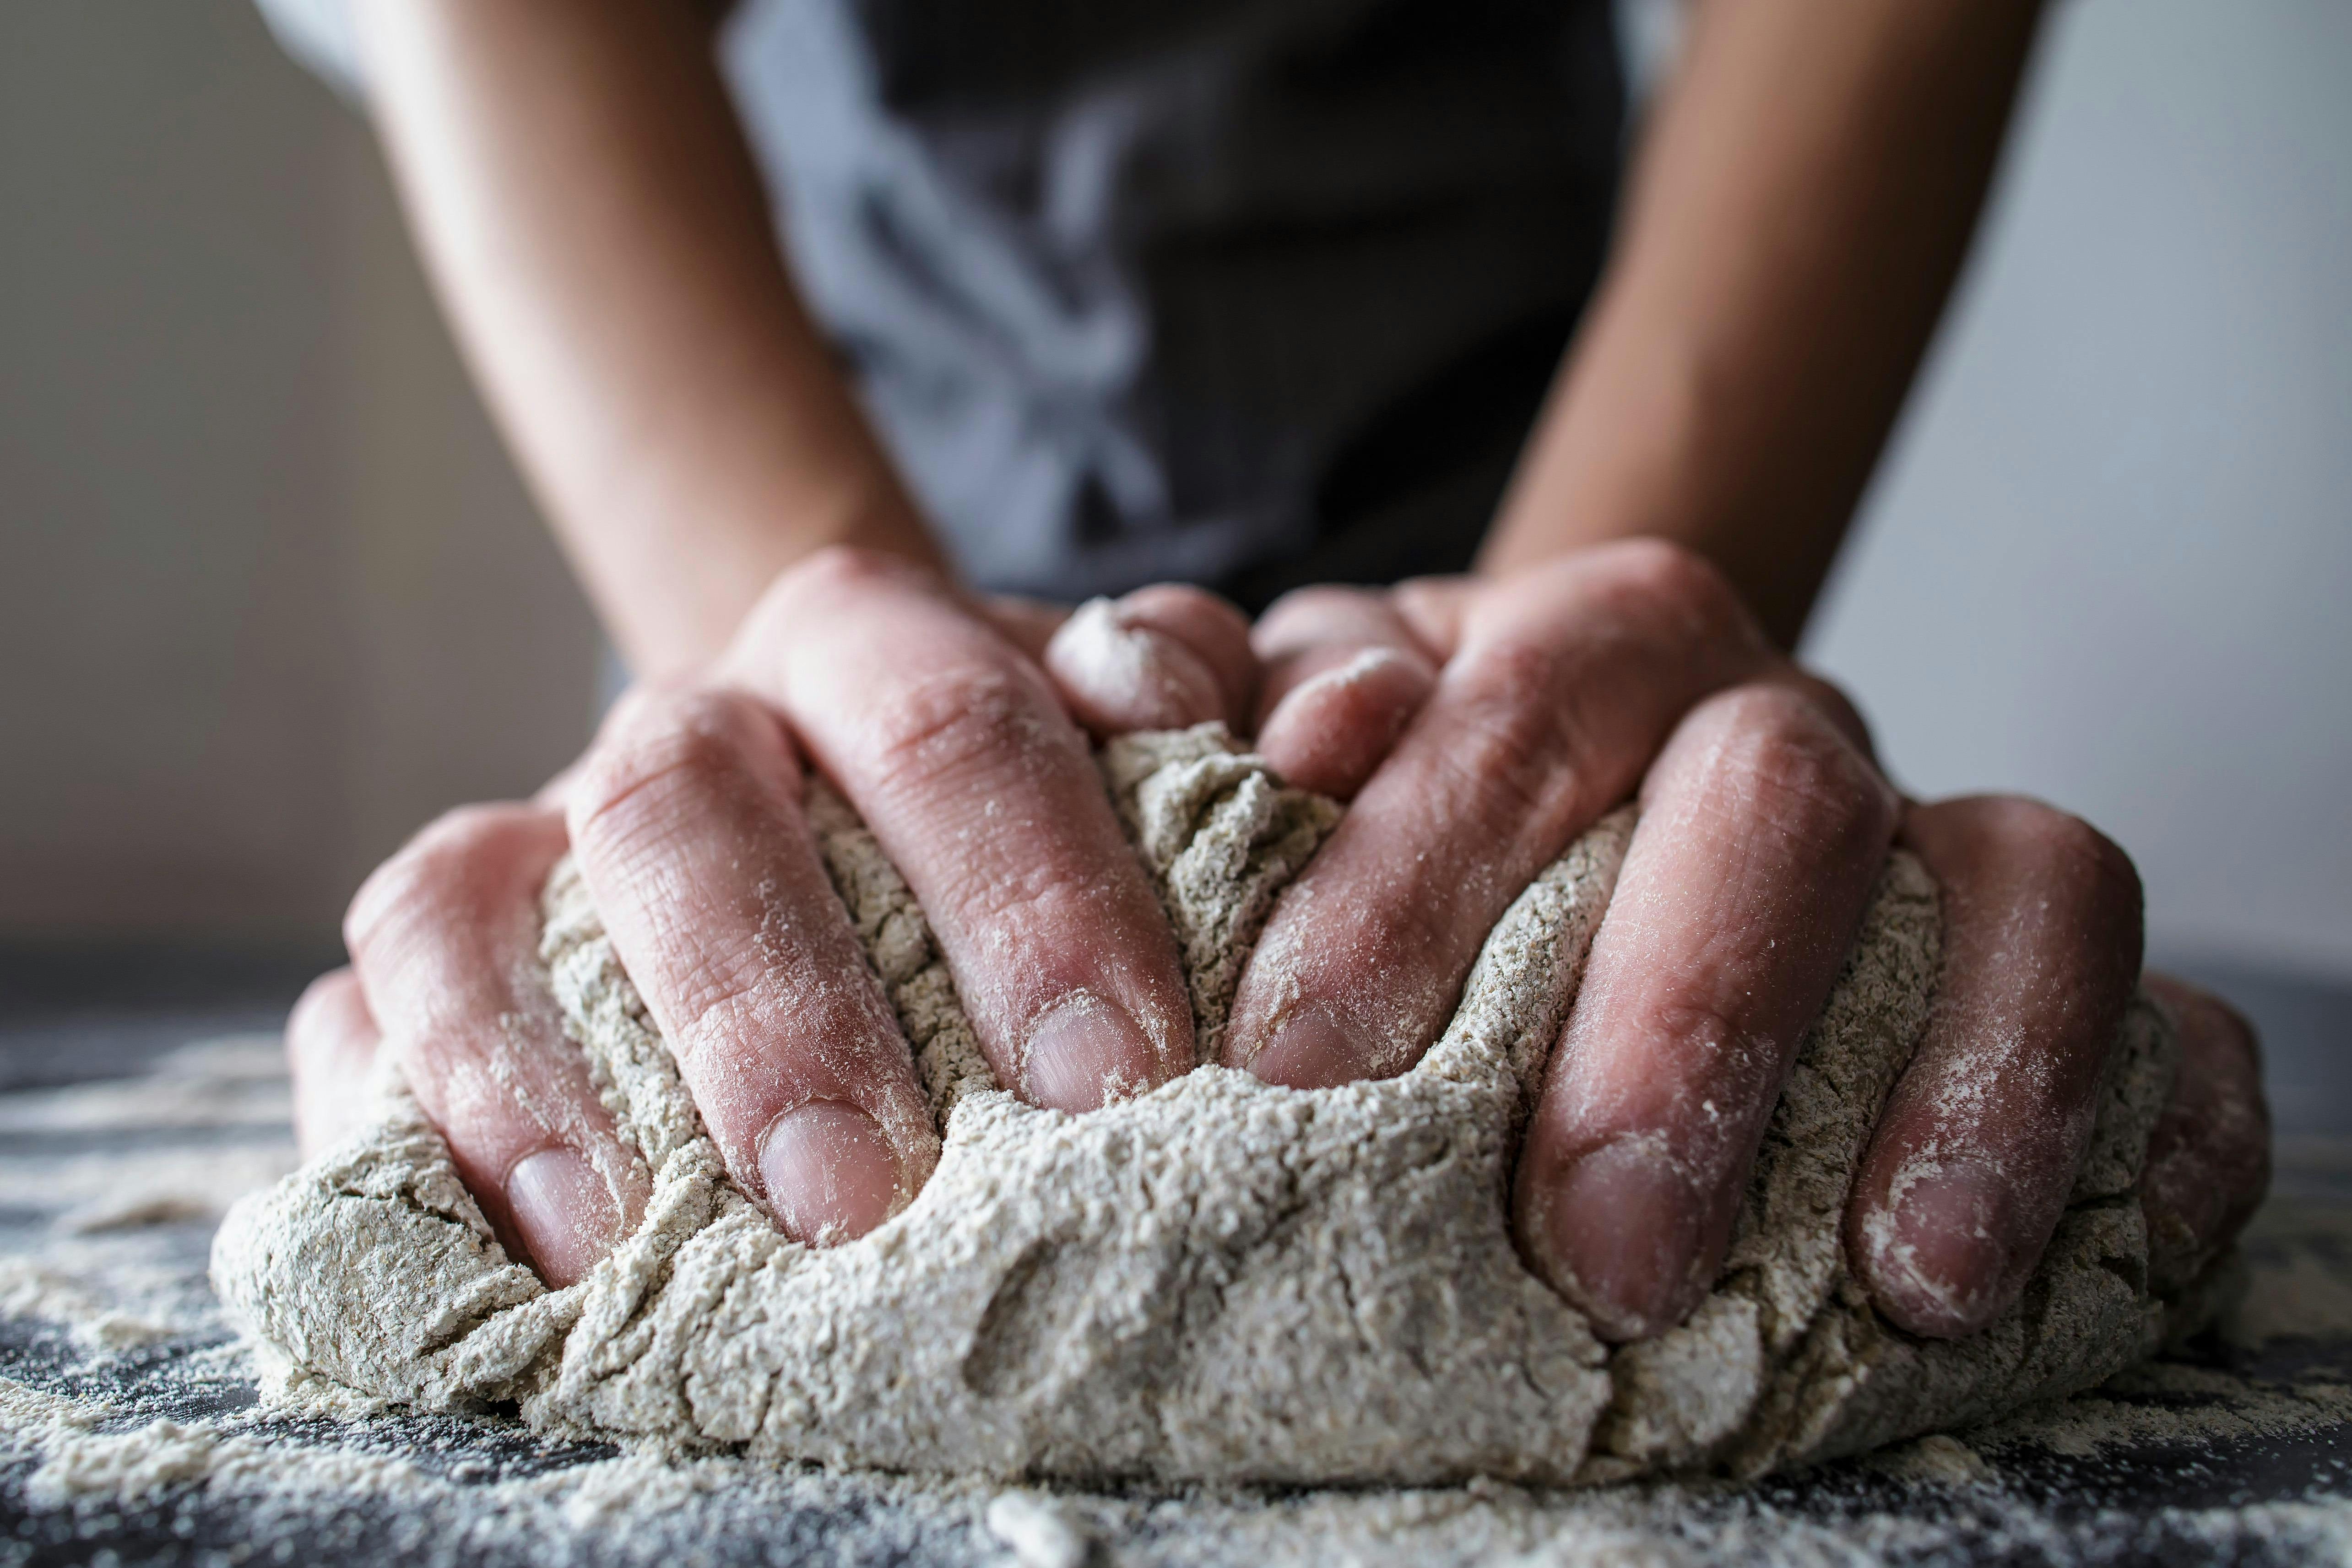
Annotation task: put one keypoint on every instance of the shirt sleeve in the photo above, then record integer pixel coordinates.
(319, 34)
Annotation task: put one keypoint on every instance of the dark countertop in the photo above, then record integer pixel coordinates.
(493, 1493)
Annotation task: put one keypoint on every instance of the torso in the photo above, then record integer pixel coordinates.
(1225, 291)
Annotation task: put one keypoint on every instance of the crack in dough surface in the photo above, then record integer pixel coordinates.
(1220, 1281)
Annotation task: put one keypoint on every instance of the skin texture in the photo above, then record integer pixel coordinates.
(1765, 823)
(589, 210)
(1761, 835)
(1969, 1169)
(689, 829)
(442, 937)
(2209, 1159)
(598, 232)
(686, 815)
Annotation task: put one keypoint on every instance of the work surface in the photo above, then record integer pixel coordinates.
(131, 1427)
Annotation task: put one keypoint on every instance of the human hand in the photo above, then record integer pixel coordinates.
(1349, 671)
(937, 719)
(1481, 724)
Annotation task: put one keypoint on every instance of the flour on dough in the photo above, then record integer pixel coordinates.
(1220, 1281)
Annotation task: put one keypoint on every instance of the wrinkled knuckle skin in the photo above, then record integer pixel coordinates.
(1034, 903)
(1795, 759)
(699, 742)
(1673, 585)
(425, 882)
(706, 1007)
(1516, 748)
(956, 731)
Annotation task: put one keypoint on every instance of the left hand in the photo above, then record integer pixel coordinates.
(1481, 724)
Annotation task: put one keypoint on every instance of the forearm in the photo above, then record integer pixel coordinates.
(599, 236)
(1802, 203)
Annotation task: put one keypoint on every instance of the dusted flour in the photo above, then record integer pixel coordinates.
(1220, 1281)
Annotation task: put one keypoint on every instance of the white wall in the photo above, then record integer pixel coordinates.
(269, 593)
(2108, 561)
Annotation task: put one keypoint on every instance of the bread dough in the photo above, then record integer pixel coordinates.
(1220, 1281)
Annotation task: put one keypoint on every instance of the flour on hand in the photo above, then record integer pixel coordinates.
(1220, 1281)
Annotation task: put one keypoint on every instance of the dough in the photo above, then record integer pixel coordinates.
(1220, 1281)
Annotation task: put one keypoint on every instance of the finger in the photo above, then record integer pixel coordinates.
(445, 937)
(331, 1044)
(1344, 676)
(1834, 704)
(1166, 657)
(2209, 1158)
(689, 832)
(1566, 682)
(555, 795)
(1761, 835)
(1976, 1151)
(985, 795)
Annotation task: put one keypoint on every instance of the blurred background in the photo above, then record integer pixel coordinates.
(271, 595)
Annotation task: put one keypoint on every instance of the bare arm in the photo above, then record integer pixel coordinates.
(1802, 205)
(575, 173)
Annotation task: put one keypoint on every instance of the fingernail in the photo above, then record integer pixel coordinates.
(1309, 1049)
(565, 1213)
(831, 1175)
(1942, 1250)
(1132, 676)
(1617, 1235)
(1083, 1052)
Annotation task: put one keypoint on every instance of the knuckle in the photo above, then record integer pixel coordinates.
(822, 581)
(1772, 742)
(1516, 751)
(329, 1008)
(844, 569)
(2086, 864)
(1320, 598)
(695, 743)
(959, 730)
(425, 880)
(1208, 629)
(1836, 707)
(322, 999)
(709, 1003)
(1182, 602)
(1672, 582)
(1429, 608)
(1038, 899)
(1305, 617)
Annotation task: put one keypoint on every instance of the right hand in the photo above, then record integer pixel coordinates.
(938, 720)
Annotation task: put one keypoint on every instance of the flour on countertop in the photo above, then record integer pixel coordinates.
(1219, 1281)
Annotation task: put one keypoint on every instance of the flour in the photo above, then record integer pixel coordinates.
(31, 1291)
(1219, 1281)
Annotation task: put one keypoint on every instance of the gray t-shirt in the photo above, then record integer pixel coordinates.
(1246, 292)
